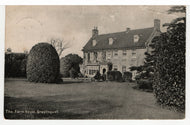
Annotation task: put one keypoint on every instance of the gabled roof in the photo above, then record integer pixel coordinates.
(120, 40)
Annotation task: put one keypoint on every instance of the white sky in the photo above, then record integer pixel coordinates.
(28, 25)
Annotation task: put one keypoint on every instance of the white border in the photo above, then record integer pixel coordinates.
(2, 39)
(91, 2)
(94, 2)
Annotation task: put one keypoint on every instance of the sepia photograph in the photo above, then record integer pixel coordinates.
(68, 62)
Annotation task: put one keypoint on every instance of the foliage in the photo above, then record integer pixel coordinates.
(145, 84)
(127, 76)
(80, 75)
(73, 73)
(114, 76)
(103, 77)
(97, 76)
(68, 62)
(43, 64)
(169, 78)
(65, 66)
(15, 64)
(177, 9)
(145, 72)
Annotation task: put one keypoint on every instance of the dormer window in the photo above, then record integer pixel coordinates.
(136, 38)
(94, 42)
(110, 41)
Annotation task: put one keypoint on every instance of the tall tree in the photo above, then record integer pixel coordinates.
(146, 71)
(169, 75)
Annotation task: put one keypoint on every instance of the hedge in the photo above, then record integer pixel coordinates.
(169, 77)
(43, 64)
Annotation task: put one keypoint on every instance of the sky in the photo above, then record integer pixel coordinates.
(28, 25)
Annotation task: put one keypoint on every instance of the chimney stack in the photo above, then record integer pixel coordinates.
(157, 24)
(127, 29)
(95, 32)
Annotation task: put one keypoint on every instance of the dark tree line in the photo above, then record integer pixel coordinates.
(15, 64)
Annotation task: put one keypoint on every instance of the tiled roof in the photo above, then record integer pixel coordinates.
(120, 40)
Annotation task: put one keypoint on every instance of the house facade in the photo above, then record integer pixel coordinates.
(122, 49)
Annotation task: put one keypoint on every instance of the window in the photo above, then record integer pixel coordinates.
(136, 38)
(115, 67)
(133, 62)
(133, 54)
(110, 41)
(123, 60)
(93, 42)
(124, 52)
(115, 53)
(123, 68)
(91, 56)
(109, 54)
(92, 72)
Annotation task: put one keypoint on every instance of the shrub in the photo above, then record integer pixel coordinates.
(68, 62)
(115, 76)
(97, 76)
(73, 73)
(15, 64)
(103, 77)
(43, 64)
(127, 76)
(65, 66)
(110, 76)
(145, 84)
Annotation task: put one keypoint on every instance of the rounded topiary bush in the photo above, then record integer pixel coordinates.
(43, 64)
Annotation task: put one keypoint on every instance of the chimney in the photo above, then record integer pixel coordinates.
(127, 29)
(157, 24)
(95, 32)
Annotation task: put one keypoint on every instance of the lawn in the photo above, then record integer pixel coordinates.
(94, 100)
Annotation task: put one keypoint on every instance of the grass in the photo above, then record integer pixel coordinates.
(95, 100)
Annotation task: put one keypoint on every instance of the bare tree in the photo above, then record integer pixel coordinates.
(59, 45)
